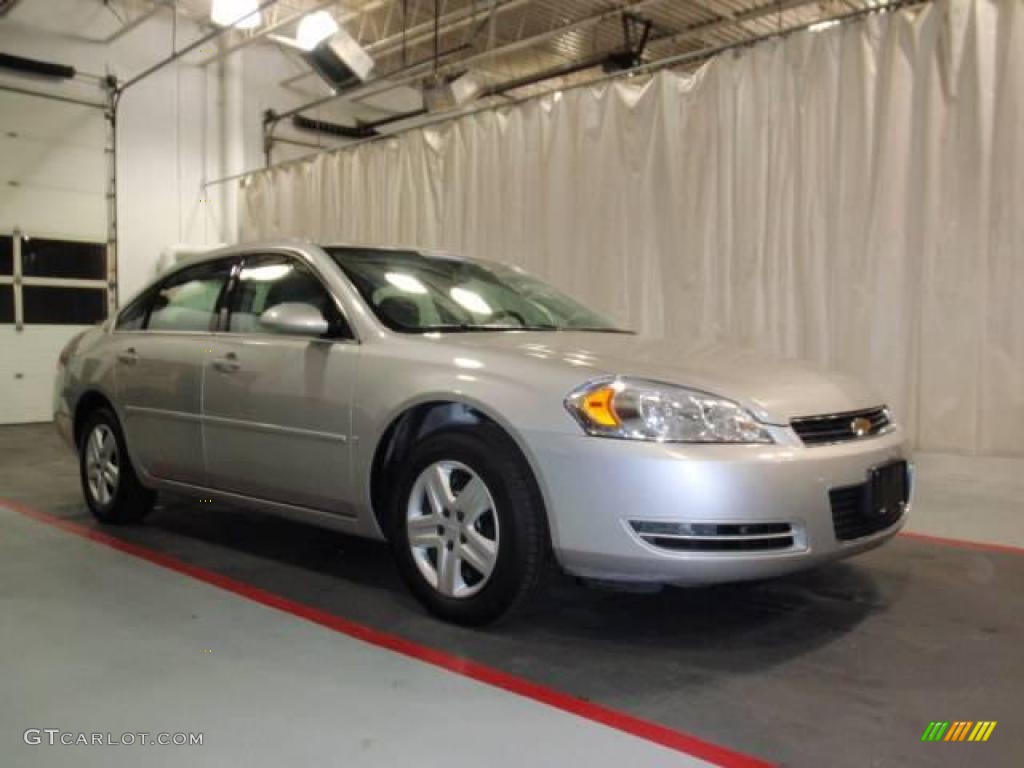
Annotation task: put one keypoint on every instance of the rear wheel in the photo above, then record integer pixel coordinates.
(467, 525)
(111, 488)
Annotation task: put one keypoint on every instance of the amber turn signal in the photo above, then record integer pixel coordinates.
(597, 406)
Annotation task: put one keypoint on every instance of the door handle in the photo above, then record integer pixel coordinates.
(227, 364)
(128, 357)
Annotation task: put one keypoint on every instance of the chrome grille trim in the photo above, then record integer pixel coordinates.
(838, 427)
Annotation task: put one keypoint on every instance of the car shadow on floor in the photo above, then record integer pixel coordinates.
(732, 627)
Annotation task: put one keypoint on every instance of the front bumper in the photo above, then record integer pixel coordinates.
(595, 487)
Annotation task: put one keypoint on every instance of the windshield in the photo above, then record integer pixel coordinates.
(414, 293)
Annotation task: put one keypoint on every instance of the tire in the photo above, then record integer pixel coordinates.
(505, 526)
(109, 483)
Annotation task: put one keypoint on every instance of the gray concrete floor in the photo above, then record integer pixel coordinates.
(97, 642)
(844, 666)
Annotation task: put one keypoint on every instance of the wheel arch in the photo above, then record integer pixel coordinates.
(87, 403)
(417, 420)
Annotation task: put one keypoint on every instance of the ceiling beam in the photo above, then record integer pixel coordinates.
(384, 84)
(423, 31)
(740, 17)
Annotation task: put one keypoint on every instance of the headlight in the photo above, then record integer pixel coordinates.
(635, 409)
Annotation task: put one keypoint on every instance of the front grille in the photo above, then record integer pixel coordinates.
(716, 537)
(840, 427)
(851, 517)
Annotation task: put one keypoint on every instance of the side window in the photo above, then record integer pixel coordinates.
(133, 317)
(187, 301)
(266, 281)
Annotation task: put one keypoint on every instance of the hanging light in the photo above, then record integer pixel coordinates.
(227, 13)
(314, 29)
(823, 25)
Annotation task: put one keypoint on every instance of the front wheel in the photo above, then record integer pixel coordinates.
(467, 525)
(111, 488)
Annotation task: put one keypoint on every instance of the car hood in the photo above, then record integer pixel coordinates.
(774, 389)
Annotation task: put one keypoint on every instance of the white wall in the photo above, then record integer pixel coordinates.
(181, 126)
(169, 139)
(168, 136)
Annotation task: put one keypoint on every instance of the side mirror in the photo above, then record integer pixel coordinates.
(294, 318)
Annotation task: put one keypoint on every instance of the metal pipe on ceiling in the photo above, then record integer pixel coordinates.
(203, 40)
(645, 68)
(692, 31)
(52, 96)
(410, 72)
(376, 87)
(138, 21)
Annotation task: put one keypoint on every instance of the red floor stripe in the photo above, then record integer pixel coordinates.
(981, 546)
(644, 729)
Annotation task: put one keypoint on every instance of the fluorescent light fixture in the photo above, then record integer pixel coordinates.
(314, 29)
(822, 25)
(471, 300)
(242, 14)
(405, 282)
(265, 274)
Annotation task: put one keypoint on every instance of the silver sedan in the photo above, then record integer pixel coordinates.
(476, 418)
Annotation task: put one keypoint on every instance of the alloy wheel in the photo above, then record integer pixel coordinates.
(102, 467)
(453, 529)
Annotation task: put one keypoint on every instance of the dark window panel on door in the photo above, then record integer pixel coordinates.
(42, 257)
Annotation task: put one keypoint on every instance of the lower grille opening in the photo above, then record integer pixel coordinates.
(851, 516)
(716, 537)
(721, 545)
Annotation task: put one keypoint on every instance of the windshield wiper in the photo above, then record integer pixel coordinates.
(460, 328)
(602, 330)
(467, 328)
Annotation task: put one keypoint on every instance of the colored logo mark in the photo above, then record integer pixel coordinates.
(959, 730)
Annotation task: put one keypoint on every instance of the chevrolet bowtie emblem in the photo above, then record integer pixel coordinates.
(860, 426)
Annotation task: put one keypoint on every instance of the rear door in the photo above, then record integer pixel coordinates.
(161, 342)
(276, 408)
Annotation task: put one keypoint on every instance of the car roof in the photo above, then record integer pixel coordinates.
(301, 243)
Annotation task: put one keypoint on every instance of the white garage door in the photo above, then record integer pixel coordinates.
(53, 227)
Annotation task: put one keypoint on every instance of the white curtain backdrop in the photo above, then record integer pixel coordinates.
(853, 196)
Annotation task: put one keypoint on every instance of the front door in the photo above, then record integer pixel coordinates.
(277, 408)
(162, 339)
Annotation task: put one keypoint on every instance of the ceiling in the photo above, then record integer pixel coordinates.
(514, 47)
(512, 40)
